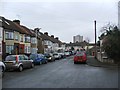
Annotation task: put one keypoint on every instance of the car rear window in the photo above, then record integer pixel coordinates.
(10, 58)
(79, 54)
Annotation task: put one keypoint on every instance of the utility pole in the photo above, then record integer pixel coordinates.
(95, 40)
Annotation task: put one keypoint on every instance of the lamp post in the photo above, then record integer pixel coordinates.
(95, 40)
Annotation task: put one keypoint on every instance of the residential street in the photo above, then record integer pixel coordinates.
(62, 74)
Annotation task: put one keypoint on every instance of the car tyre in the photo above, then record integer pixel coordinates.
(75, 62)
(32, 65)
(20, 68)
(46, 62)
(3, 70)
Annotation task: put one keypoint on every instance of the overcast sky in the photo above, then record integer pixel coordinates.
(62, 18)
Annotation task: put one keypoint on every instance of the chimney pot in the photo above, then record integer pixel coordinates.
(46, 33)
(17, 21)
(52, 36)
(57, 38)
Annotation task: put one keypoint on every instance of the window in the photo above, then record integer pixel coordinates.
(9, 49)
(9, 35)
(27, 39)
(33, 40)
(22, 38)
(27, 49)
(10, 58)
(25, 57)
(16, 37)
(21, 57)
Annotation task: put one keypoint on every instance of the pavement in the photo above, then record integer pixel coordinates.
(94, 62)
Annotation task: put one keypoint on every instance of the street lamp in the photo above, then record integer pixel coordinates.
(95, 39)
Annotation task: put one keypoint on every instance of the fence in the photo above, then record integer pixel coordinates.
(102, 57)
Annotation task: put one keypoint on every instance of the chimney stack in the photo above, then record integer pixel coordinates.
(57, 38)
(52, 36)
(46, 33)
(17, 21)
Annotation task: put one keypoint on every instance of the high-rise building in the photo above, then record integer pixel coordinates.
(77, 38)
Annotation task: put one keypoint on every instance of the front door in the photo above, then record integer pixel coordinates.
(16, 48)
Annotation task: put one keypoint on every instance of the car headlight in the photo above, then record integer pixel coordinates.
(50, 57)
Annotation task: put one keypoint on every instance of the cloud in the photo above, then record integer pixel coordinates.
(63, 19)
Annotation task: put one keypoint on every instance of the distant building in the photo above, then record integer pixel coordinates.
(119, 14)
(77, 38)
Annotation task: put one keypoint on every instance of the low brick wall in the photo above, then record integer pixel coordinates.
(103, 58)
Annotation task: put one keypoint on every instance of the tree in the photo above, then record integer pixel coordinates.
(111, 43)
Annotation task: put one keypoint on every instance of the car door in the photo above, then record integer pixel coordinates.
(22, 61)
(28, 62)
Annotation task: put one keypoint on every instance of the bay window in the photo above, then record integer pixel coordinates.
(27, 49)
(27, 39)
(9, 49)
(9, 35)
(34, 40)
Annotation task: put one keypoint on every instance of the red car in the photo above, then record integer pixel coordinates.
(80, 57)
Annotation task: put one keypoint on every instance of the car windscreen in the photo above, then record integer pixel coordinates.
(33, 56)
(10, 58)
(80, 54)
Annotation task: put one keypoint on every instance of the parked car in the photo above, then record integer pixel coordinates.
(2, 69)
(62, 55)
(57, 56)
(38, 58)
(18, 62)
(80, 57)
(67, 53)
(49, 56)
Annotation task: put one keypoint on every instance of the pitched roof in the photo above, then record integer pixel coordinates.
(12, 26)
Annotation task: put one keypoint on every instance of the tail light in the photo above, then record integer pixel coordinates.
(16, 59)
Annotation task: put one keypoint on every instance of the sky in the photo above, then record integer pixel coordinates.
(62, 18)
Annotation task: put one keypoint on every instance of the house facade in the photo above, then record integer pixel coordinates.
(1, 38)
(18, 39)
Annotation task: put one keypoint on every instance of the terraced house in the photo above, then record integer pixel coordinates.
(16, 38)
(1, 38)
(10, 37)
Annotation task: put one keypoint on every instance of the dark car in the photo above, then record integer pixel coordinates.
(80, 57)
(49, 56)
(38, 58)
(18, 62)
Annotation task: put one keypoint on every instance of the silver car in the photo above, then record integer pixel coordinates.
(18, 62)
(2, 69)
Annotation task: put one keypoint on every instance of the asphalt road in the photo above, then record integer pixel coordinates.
(62, 74)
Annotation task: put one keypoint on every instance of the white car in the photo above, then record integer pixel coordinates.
(57, 56)
(2, 69)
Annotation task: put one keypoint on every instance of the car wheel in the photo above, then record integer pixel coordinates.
(85, 62)
(20, 68)
(75, 62)
(32, 66)
(3, 70)
(46, 62)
